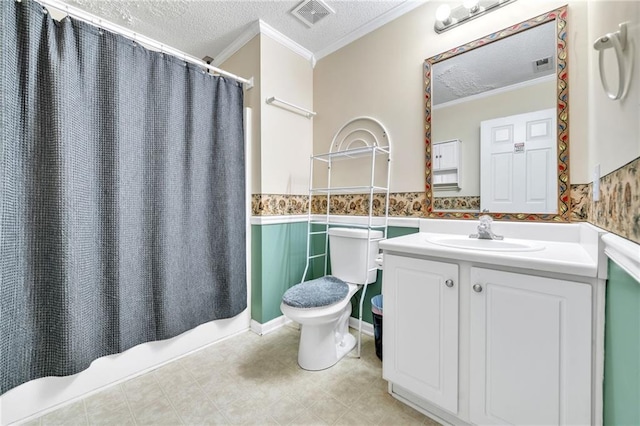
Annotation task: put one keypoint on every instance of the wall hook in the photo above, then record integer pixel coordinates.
(617, 41)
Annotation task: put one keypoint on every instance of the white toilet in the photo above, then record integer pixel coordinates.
(322, 306)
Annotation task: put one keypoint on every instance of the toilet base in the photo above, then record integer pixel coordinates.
(324, 332)
(324, 352)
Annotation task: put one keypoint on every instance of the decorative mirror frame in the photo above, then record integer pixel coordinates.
(564, 197)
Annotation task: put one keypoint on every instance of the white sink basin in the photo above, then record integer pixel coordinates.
(464, 242)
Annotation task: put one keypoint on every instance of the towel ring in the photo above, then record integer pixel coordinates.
(617, 41)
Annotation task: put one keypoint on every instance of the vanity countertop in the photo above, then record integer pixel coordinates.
(566, 257)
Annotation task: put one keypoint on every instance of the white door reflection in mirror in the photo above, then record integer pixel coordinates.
(518, 157)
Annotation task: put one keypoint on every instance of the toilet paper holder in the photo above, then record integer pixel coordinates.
(617, 41)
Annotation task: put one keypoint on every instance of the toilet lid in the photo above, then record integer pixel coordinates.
(323, 291)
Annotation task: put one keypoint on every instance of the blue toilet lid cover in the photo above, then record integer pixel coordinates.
(323, 291)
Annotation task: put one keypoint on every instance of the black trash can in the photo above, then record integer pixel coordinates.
(376, 310)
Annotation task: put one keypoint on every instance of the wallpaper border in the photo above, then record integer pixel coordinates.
(617, 211)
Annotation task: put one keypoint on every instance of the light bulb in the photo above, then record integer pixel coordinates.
(472, 5)
(443, 13)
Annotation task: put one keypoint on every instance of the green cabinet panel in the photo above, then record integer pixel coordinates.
(622, 349)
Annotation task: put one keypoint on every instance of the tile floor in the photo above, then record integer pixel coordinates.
(248, 379)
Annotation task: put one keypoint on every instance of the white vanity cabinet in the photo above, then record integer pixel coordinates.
(421, 328)
(508, 332)
(530, 349)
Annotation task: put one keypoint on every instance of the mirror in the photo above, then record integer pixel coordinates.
(458, 98)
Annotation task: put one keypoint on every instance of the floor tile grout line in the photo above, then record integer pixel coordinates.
(206, 395)
(339, 417)
(173, 407)
(126, 400)
(86, 412)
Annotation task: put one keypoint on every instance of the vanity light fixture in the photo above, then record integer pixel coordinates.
(472, 6)
(447, 18)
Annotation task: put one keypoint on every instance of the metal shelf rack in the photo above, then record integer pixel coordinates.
(360, 138)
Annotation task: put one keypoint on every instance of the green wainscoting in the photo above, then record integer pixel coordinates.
(622, 349)
(376, 288)
(277, 262)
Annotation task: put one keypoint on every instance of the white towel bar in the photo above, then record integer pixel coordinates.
(305, 112)
(617, 41)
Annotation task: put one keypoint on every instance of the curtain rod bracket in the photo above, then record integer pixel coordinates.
(137, 38)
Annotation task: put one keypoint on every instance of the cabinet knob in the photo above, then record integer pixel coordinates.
(477, 288)
(449, 283)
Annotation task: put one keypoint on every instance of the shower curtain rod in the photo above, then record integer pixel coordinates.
(138, 38)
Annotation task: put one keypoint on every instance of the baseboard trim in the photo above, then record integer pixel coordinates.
(269, 326)
(281, 321)
(366, 327)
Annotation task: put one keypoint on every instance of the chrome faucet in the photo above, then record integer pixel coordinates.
(484, 230)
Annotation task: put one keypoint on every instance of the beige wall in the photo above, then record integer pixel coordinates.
(282, 140)
(286, 137)
(462, 121)
(380, 75)
(614, 126)
(246, 62)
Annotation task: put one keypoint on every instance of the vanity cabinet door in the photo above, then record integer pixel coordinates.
(420, 328)
(530, 349)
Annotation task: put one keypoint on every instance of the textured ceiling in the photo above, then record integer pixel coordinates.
(501, 63)
(206, 27)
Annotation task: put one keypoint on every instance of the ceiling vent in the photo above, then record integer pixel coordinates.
(310, 12)
(544, 64)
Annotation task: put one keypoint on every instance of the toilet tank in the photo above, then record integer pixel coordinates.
(348, 254)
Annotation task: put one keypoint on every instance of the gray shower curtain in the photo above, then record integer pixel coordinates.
(122, 201)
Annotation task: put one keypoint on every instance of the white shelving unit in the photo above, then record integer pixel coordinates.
(359, 140)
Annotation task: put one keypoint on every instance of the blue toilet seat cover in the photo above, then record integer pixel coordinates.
(323, 291)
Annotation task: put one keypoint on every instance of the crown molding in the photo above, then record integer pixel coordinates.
(245, 37)
(372, 25)
(272, 33)
(261, 27)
